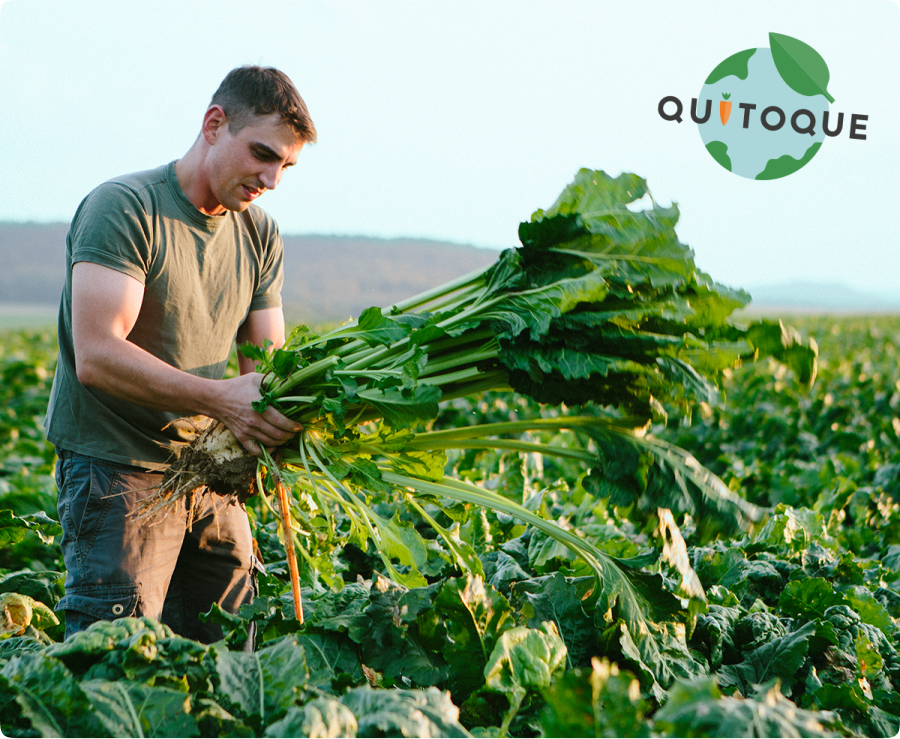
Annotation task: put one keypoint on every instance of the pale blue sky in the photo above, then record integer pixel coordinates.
(455, 120)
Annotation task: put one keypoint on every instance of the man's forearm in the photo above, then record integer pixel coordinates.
(124, 370)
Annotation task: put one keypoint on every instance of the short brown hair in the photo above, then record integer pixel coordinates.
(251, 91)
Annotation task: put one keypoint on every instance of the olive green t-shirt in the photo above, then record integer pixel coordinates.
(202, 275)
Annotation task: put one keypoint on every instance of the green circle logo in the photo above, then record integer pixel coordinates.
(762, 113)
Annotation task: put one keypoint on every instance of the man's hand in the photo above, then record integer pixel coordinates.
(271, 428)
(254, 430)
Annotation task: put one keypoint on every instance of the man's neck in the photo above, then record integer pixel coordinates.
(189, 172)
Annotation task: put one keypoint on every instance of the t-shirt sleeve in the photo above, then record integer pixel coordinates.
(271, 278)
(112, 229)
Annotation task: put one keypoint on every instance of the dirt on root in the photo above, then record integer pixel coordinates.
(234, 478)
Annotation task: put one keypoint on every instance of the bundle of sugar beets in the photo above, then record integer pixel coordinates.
(600, 309)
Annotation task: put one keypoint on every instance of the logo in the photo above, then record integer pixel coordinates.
(764, 113)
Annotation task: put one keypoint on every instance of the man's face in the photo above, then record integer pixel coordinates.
(243, 166)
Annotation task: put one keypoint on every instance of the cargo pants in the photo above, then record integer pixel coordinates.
(119, 565)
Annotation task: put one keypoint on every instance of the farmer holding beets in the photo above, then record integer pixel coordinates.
(166, 269)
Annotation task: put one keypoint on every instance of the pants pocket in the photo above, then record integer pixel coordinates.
(86, 605)
(84, 495)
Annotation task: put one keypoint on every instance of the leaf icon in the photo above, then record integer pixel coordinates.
(801, 67)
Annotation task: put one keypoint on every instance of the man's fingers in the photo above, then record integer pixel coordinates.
(256, 431)
(269, 434)
(253, 447)
(281, 422)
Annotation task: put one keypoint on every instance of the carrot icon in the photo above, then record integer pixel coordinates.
(725, 107)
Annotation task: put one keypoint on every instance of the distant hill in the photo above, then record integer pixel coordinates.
(327, 278)
(336, 277)
(821, 297)
(331, 278)
(32, 262)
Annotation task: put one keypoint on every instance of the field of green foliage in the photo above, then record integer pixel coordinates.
(799, 635)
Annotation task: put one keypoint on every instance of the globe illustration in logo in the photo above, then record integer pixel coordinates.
(784, 129)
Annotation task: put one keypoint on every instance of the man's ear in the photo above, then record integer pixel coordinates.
(214, 121)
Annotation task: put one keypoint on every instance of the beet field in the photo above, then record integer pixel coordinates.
(454, 619)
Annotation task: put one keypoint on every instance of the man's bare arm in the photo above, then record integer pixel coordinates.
(259, 326)
(105, 306)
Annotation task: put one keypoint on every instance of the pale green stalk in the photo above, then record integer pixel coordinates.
(451, 377)
(466, 493)
(444, 533)
(312, 480)
(532, 424)
(316, 368)
(496, 381)
(429, 295)
(462, 357)
(530, 447)
(361, 510)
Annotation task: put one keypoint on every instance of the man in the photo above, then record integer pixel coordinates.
(165, 270)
